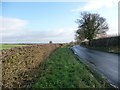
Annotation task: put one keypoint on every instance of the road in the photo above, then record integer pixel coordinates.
(103, 62)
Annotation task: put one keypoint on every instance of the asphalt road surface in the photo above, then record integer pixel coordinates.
(104, 63)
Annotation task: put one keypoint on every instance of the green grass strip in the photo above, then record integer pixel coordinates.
(63, 70)
(8, 46)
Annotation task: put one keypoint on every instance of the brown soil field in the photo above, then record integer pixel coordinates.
(21, 65)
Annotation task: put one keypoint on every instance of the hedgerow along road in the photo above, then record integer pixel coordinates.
(103, 62)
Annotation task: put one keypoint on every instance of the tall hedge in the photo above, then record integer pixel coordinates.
(104, 42)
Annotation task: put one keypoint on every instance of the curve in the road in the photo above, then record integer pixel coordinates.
(105, 63)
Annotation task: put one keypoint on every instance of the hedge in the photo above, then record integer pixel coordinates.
(103, 42)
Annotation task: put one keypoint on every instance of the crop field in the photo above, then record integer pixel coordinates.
(21, 64)
(8, 46)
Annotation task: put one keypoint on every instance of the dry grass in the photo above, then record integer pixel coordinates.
(21, 65)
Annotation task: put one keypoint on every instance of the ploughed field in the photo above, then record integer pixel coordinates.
(20, 64)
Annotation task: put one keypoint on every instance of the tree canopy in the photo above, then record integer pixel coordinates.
(90, 25)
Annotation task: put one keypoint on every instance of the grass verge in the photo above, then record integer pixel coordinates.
(115, 50)
(63, 70)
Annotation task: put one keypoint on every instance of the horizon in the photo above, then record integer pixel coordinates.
(41, 22)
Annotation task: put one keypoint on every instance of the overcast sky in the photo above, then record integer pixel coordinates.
(41, 22)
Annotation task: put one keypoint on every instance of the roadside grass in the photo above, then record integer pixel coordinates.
(64, 70)
(8, 46)
(105, 49)
(108, 49)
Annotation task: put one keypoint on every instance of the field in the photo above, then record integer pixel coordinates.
(21, 64)
(64, 70)
(8, 46)
(46, 66)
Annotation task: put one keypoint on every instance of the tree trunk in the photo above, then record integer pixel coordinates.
(89, 44)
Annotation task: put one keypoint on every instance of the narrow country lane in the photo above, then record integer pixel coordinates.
(104, 63)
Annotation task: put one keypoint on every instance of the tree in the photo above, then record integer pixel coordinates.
(50, 42)
(79, 36)
(90, 25)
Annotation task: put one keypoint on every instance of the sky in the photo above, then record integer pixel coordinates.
(41, 22)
